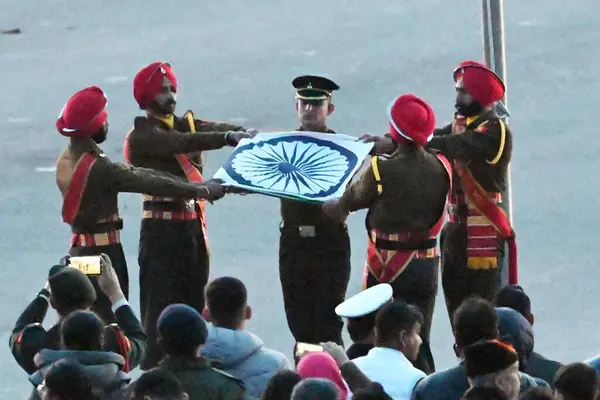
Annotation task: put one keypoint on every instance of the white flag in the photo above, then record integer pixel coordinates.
(305, 166)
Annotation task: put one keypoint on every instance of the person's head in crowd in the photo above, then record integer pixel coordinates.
(322, 365)
(181, 331)
(70, 290)
(66, 380)
(362, 329)
(398, 326)
(513, 296)
(474, 320)
(516, 330)
(227, 303)
(82, 330)
(484, 393)
(158, 384)
(315, 389)
(493, 364)
(374, 391)
(576, 381)
(361, 311)
(537, 393)
(281, 385)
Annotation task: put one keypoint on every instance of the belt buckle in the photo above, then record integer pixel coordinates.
(307, 231)
(190, 205)
(453, 209)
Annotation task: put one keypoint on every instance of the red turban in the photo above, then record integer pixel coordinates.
(84, 114)
(411, 119)
(480, 82)
(148, 82)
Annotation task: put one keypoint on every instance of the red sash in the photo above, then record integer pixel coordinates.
(189, 169)
(124, 345)
(495, 214)
(387, 265)
(72, 199)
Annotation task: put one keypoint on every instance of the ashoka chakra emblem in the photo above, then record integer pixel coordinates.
(296, 165)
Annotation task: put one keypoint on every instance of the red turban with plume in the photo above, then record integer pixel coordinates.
(480, 82)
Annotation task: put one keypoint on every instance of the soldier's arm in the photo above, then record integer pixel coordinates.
(151, 141)
(443, 131)
(483, 143)
(361, 193)
(216, 126)
(125, 178)
(35, 311)
(131, 327)
(26, 338)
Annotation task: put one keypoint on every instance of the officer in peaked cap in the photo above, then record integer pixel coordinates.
(314, 251)
(360, 310)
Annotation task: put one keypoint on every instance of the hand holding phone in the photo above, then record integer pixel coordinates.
(109, 281)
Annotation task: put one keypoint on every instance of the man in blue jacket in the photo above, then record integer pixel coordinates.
(237, 351)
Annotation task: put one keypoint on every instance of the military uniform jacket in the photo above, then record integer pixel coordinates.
(107, 179)
(28, 336)
(482, 147)
(414, 187)
(201, 381)
(153, 143)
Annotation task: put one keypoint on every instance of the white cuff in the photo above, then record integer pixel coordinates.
(118, 304)
(43, 296)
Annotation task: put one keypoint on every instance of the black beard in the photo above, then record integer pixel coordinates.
(469, 110)
(163, 109)
(100, 136)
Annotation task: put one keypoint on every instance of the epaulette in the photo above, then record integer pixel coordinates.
(26, 344)
(227, 375)
(29, 332)
(139, 121)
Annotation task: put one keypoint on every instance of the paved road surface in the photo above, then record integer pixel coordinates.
(235, 61)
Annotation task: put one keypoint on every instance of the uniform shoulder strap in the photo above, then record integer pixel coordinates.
(500, 151)
(189, 116)
(121, 343)
(229, 376)
(502, 144)
(376, 174)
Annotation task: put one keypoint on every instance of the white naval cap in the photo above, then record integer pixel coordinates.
(365, 302)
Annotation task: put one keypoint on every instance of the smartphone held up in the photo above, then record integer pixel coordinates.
(303, 348)
(89, 265)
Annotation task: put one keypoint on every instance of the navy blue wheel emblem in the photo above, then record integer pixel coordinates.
(297, 165)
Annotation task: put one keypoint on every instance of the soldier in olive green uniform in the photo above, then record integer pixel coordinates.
(173, 252)
(314, 251)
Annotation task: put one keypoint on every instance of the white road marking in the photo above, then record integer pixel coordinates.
(115, 79)
(18, 120)
(45, 169)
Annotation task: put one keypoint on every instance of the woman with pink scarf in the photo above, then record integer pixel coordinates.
(322, 365)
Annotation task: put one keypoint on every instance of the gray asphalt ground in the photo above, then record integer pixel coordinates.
(235, 61)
